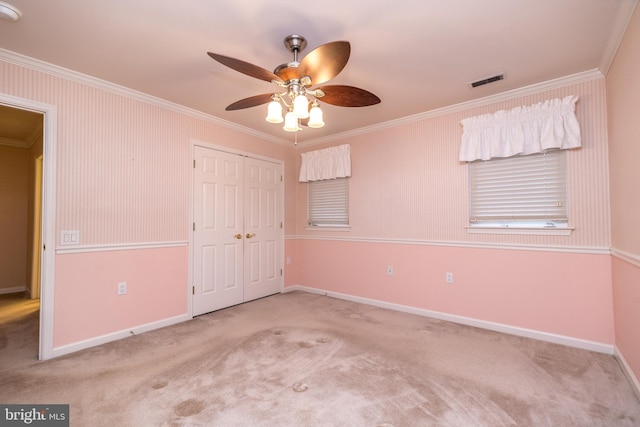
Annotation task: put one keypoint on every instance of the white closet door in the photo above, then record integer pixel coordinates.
(262, 228)
(218, 226)
(238, 234)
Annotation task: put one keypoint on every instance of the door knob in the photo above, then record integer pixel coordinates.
(238, 236)
(250, 235)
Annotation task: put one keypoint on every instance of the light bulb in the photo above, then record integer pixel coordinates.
(301, 106)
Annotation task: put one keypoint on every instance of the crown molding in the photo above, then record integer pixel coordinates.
(36, 134)
(94, 82)
(558, 83)
(13, 142)
(67, 74)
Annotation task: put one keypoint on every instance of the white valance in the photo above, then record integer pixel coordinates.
(328, 163)
(521, 130)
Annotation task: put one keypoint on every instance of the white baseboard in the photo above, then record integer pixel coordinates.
(498, 327)
(92, 342)
(633, 380)
(13, 290)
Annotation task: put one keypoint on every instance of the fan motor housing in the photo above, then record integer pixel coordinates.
(287, 71)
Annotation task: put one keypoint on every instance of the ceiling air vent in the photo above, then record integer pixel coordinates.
(487, 80)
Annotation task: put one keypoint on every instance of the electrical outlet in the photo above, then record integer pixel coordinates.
(390, 270)
(448, 278)
(122, 288)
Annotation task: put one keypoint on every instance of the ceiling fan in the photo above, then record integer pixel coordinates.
(295, 80)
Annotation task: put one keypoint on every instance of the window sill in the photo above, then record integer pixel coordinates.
(542, 231)
(328, 228)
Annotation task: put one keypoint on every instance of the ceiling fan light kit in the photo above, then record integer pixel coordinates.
(295, 79)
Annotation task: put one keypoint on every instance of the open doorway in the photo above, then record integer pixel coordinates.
(21, 156)
(27, 208)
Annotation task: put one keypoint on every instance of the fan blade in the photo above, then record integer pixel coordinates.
(245, 67)
(252, 101)
(348, 96)
(325, 62)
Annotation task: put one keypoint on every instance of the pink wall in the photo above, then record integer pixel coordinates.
(567, 294)
(86, 301)
(623, 107)
(408, 184)
(408, 208)
(291, 270)
(626, 302)
(125, 159)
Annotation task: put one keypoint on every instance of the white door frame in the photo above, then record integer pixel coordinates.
(191, 215)
(47, 266)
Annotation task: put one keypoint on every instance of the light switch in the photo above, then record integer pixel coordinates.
(69, 237)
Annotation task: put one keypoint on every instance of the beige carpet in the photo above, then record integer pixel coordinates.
(300, 359)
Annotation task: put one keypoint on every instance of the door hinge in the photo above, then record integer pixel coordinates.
(281, 272)
(280, 224)
(194, 226)
(193, 290)
(280, 178)
(194, 163)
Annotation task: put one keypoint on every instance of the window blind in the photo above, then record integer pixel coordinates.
(520, 190)
(328, 202)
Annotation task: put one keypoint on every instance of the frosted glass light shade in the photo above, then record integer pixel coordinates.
(315, 117)
(291, 122)
(301, 106)
(274, 112)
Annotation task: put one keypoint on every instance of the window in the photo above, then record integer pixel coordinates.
(519, 191)
(328, 203)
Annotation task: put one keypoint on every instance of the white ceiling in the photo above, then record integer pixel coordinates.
(416, 55)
